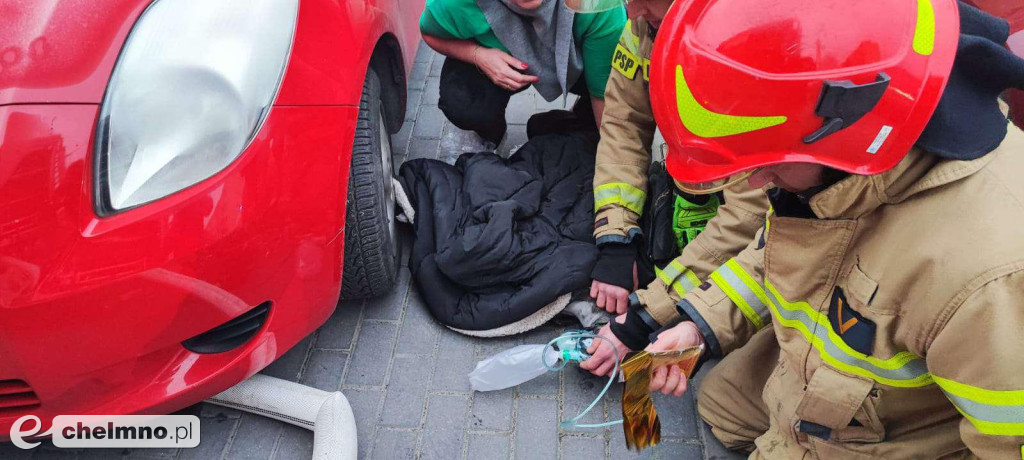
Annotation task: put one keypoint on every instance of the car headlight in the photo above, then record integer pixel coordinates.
(193, 84)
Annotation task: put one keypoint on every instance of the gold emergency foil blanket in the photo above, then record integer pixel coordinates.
(639, 418)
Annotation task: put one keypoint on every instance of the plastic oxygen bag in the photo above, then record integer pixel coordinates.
(512, 367)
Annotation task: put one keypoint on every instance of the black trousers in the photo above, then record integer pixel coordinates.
(472, 102)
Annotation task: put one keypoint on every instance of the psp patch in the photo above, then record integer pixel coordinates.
(625, 62)
(853, 328)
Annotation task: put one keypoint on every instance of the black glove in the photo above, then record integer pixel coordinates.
(634, 333)
(615, 265)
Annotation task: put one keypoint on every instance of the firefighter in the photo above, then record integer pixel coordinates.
(620, 191)
(878, 312)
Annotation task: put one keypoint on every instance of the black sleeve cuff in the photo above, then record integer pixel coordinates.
(633, 333)
(615, 265)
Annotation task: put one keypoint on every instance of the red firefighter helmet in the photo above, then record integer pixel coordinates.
(741, 84)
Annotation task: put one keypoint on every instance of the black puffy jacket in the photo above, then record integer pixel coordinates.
(498, 239)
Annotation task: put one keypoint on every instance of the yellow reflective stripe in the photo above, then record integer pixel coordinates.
(924, 31)
(981, 395)
(993, 412)
(904, 370)
(705, 123)
(675, 285)
(752, 285)
(729, 278)
(678, 277)
(629, 39)
(619, 193)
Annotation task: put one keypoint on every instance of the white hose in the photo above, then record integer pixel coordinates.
(328, 415)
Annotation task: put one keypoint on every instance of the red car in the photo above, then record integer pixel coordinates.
(186, 186)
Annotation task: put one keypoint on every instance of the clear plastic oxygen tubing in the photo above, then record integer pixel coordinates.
(573, 354)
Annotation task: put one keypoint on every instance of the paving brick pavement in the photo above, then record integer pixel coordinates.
(405, 375)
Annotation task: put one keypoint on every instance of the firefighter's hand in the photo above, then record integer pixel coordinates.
(602, 357)
(670, 379)
(609, 297)
(502, 69)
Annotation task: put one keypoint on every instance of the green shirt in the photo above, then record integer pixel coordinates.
(596, 33)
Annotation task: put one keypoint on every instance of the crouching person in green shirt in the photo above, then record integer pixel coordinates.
(496, 48)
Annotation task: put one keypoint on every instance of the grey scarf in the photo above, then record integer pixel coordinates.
(541, 38)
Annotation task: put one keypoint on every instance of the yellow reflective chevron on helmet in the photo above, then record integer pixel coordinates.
(924, 32)
(705, 123)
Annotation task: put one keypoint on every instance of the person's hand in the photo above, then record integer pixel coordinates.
(602, 357)
(670, 379)
(609, 297)
(502, 69)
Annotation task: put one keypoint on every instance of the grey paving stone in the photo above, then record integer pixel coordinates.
(372, 354)
(400, 143)
(678, 416)
(545, 385)
(101, 454)
(419, 330)
(213, 437)
(254, 439)
(407, 391)
(490, 347)
(152, 454)
(289, 365)
(424, 53)
(220, 413)
(49, 452)
(536, 429)
(444, 429)
(431, 95)
(420, 72)
(618, 450)
(514, 139)
(423, 148)
(455, 142)
(429, 123)
(457, 352)
(365, 404)
(325, 369)
(581, 389)
(484, 446)
(294, 444)
(557, 104)
(435, 66)
(520, 107)
(492, 410)
(12, 452)
(582, 448)
(340, 328)
(395, 445)
(412, 103)
(390, 306)
(677, 450)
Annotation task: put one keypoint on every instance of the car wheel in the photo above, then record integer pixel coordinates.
(371, 240)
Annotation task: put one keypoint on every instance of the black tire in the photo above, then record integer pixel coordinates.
(371, 252)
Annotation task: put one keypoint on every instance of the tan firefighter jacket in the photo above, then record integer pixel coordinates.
(620, 178)
(899, 312)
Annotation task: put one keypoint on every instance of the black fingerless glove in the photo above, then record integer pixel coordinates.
(615, 265)
(634, 333)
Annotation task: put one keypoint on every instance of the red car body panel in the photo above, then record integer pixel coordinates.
(93, 309)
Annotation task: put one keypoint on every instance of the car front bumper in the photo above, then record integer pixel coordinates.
(93, 310)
